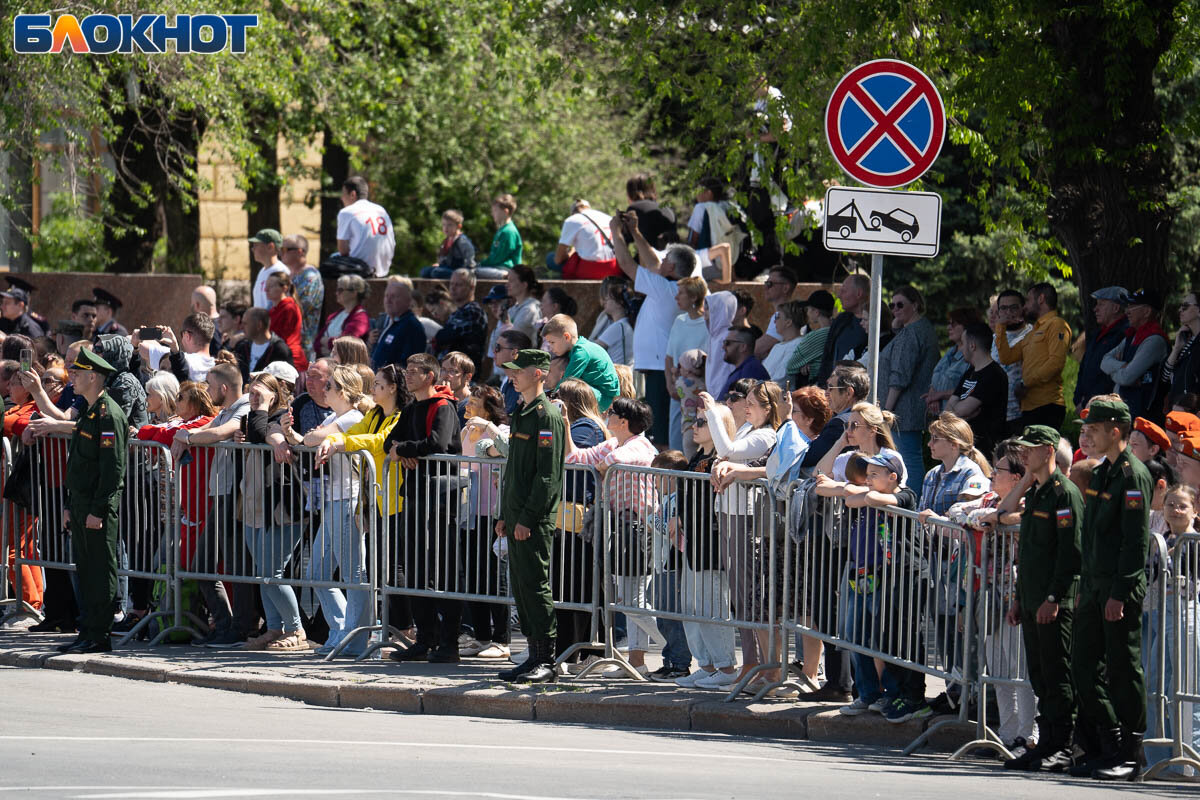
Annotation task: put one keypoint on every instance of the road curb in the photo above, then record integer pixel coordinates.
(617, 705)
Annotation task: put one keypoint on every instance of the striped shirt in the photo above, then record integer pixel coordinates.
(634, 493)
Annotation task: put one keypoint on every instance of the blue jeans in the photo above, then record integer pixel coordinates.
(440, 273)
(272, 549)
(665, 594)
(1191, 711)
(339, 541)
(858, 627)
(552, 265)
(491, 273)
(909, 446)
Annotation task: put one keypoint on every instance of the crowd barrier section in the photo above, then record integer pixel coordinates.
(919, 594)
(1179, 676)
(439, 542)
(881, 583)
(678, 551)
(7, 579)
(252, 517)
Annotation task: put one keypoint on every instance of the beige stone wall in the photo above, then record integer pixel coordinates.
(224, 252)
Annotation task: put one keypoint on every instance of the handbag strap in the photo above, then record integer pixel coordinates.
(603, 235)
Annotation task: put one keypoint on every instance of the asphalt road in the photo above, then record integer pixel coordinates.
(71, 735)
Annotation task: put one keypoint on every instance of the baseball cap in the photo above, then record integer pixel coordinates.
(1145, 297)
(1106, 411)
(888, 461)
(268, 236)
(1181, 421)
(280, 370)
(497, 292)
(529, 358)
(1038, 436)
(14, 293)
(822, 301)
(1189, 445)
(1152, 432)
(1117, 294)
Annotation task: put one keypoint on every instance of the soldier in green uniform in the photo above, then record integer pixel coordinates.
(1047, 581)
(1106, 653)
(533, 483)
(95, 475)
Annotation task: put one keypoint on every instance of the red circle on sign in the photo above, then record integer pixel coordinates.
(850, 156)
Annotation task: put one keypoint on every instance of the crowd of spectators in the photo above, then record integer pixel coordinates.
(670, 376)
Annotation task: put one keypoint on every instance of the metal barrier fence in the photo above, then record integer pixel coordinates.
(439, 547)
(7, 578)
(927, 598)
(1178, 724)
(882, 585)
(296, 522)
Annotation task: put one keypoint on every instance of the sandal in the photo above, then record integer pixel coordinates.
(290, 641)
(261, 642)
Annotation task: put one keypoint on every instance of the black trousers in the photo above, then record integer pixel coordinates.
(430, 563)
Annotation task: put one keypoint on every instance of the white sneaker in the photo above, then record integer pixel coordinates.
(689, 681)
(621, 672)
(718, 680)
(471, 647)
(22, 624)
(492, 650)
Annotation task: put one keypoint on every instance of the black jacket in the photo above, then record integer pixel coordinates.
(415, 435)
(277, 350)
(698, 517)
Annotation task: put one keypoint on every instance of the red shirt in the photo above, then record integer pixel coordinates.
(286, 322)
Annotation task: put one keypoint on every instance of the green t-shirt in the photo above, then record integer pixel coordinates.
(506, 248)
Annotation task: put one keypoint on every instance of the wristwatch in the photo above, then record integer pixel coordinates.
(1051, 599)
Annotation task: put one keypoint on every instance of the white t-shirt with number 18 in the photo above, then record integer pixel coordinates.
(368, 229)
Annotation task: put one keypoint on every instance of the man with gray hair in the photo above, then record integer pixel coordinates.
(466, 328)
(397, 333)
(653, 329)
(309, 289)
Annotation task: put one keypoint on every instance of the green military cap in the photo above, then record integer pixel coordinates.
(1038, 436)
(268, 236)
(87, 360)
(1107, 411)
(529, 358)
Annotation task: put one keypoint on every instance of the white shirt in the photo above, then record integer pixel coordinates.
(579, 232)
(617, 338)
(259, 293)
(687, 334)
(777, 360)
(654, 320)
(340, 477)
(257, 351)
(431, 326)
(368, 229)
(198, 364)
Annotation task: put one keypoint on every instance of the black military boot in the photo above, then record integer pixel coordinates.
(528, 665)
(543, 671)
(1110, 745)
(1131, 761)
(1058, 759)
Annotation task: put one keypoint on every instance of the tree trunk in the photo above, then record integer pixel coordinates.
(335, 168)
(20, 218)
(180, 212)
(1110, 210)
(262, 198)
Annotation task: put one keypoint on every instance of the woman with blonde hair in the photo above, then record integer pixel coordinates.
(162, 393)
(868, 432)
(625, 381)
(962, 474)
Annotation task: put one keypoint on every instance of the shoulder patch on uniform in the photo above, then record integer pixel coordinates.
(1065, 518)
(545, 438)
(108, 439)
(1134, 499)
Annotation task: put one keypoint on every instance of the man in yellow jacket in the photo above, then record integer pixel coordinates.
(1042, 355)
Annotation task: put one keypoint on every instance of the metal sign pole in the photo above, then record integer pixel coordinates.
(876, 313)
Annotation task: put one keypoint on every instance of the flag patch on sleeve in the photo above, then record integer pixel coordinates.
(108, 439)
(1064, 518)
(545, 438)
(1133, 498)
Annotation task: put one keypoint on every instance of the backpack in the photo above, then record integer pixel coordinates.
(338, 265)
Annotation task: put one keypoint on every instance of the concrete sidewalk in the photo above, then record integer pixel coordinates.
(470, 688)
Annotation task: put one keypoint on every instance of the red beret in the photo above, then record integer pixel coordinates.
(1152, 432)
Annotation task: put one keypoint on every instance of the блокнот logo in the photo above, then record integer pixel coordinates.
(121, 33)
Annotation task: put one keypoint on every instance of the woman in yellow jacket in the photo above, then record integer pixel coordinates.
(391, 396)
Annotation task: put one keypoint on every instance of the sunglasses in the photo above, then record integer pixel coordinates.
(734, 397)
(856, 425)
(834, 388)
(898, 304)
(700, 423)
